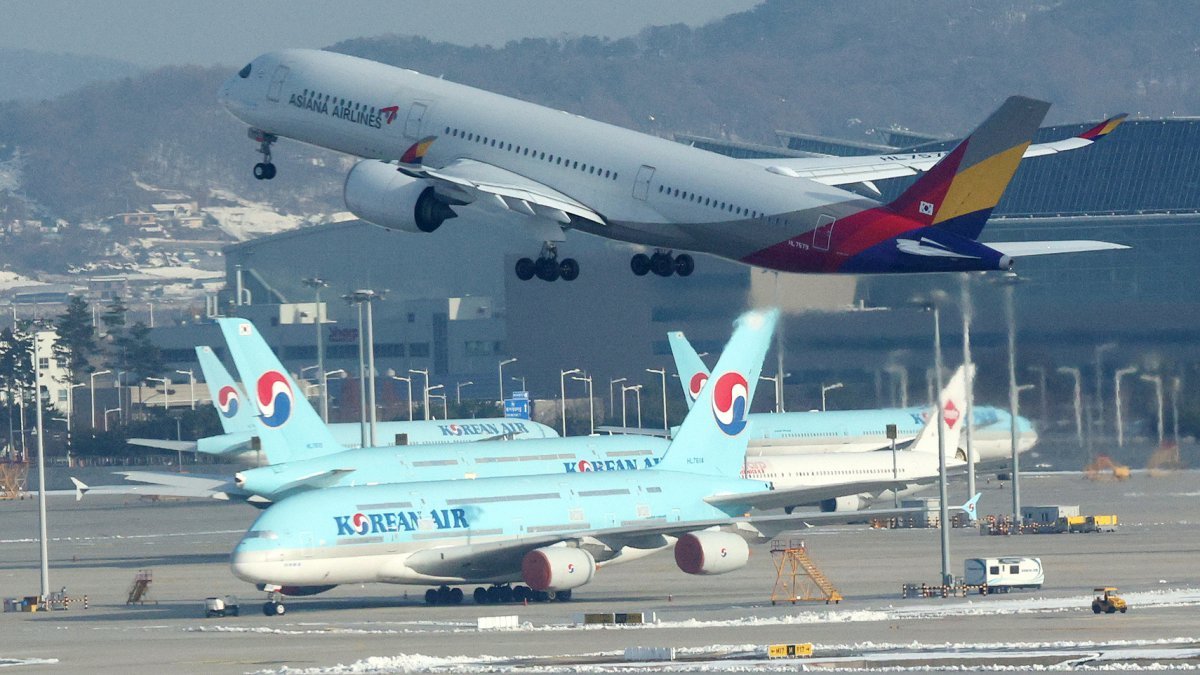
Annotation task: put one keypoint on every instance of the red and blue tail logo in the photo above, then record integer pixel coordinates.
(228, 402)
(696, 384)
(275, 398)
(730, 402)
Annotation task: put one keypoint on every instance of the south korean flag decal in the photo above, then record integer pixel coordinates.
(926, 208)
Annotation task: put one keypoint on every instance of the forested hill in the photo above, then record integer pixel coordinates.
(831, 68)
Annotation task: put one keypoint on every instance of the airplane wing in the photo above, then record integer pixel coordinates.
(782, 498)
(1018, 249)
(477, 183)
(162, 444)
(863, 169)
(504, 557)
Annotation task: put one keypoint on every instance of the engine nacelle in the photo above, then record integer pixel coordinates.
(711, 552)
(846, 503)
(376, 192)
(557, 569)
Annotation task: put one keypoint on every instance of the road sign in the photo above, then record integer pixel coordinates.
(517, 408)
(789, 651)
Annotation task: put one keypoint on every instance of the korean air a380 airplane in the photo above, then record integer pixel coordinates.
(434, 150)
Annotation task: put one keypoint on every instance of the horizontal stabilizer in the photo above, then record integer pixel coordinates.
(1019, 249)
(315, 481)
(162, 444)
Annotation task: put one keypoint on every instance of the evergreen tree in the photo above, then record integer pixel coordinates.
(76, 338)
(114, 317)
(137, 355)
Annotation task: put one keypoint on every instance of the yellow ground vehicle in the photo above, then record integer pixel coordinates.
(1108, 601)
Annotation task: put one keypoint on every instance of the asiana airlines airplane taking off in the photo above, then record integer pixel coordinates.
(434, 150)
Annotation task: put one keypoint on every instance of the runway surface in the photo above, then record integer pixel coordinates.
(716, 623)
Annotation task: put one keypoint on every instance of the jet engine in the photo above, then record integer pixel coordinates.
(557, 569)
(376, 192)
(711, 552)
(846, 503)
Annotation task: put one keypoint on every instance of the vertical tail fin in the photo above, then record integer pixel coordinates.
(712, 439)
(228, 398)
(959, 192)
(692, 371)
(971, 508)
(280, 401)
(953, 401)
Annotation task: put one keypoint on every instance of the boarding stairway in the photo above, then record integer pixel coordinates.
(797, 577)
(139, 590)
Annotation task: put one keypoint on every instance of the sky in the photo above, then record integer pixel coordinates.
(152, 33)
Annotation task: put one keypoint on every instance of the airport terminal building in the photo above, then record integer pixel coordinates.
(453, 305)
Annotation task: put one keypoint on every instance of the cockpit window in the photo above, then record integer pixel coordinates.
(245, 72)
(260, 534)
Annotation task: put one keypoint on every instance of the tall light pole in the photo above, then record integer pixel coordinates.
(407, 381)
(71, 413)
(901, 373)
(662, 372)
(41, 451)
(106, 412)
(612, 399)
(591, 402)
(828, 388)
(1175, 387)
(562, 383)
(774, 379)
(503, 363)
(425, 396)
(458, 391)
(1009, 281)
(368, 297)
(1074, 372)
(191, 385)
(92, 379)
(967, 309)
(1042, 386)
(1158, 395)
(445, 407)
(317, 283)
(1100, 349)
(429, 396)
(325, 389)
(518, 378)
(1122, 372)
(166, 390)
(943, 509)
(637, 389)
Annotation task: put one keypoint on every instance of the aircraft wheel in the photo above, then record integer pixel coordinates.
(520, 594)
(662, 264)
(456, 596)
(269, 608)
(506, 594)
(261, 171)
(540, 596)
(443, 595)
(525, 269)
(684, 265)
(270, 171)
(431, 596)
(568, 269)
(481, 597)
(493, 595)
(280, 609)
(640, 264)
(547, 269)
(563, 596)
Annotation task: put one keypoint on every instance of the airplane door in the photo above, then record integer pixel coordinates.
(824, 232)
(276, 88)
(416, 116)
(641, 185)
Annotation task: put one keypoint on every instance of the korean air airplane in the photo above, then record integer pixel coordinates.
(819, 431)
(549, 533)
(240, 422)
(434, 150)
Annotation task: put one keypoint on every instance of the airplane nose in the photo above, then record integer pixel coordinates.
(249, 566)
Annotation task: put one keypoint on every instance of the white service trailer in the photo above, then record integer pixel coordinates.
(1004, 574)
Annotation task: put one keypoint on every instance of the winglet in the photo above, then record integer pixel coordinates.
(81, 488)
(971, 507)
(416, 152)
(1104, 128)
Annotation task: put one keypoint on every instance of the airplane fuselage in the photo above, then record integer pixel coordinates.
(647, 190)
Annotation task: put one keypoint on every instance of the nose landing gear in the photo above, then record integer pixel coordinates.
(548, 267)
(274, 605)
(663, 264)
(264, 170)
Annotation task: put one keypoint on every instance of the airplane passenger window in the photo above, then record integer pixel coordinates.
(543, 156)
(245, 72)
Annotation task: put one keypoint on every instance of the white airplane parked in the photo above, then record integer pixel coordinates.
(435, 150)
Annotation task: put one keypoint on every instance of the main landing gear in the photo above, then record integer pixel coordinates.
(662, 263)
(548, 267)
(274, 605)
(444, 595)
(264, 170)
(496, 595)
